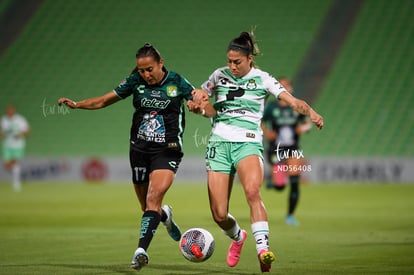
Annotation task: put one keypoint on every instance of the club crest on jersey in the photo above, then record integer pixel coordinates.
(251, 85)
(172, 91)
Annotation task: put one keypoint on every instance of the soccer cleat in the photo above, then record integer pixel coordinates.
(172, 228)
(266, 258)
(140, 259)
(233, 255)
(290, 220)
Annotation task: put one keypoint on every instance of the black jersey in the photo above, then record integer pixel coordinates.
(283, 120)
(159, 118)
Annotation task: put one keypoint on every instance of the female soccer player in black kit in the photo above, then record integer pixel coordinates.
(155, 139)
(282, 127)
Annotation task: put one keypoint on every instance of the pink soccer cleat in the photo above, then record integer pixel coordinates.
(233, 255)
(266, 258)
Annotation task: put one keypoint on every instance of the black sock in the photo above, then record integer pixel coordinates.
(294, 193)
(149, 223)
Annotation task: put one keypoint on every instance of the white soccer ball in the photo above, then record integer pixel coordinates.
(197, 244)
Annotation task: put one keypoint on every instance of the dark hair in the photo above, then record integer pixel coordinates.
(243, 43)
(147, 50)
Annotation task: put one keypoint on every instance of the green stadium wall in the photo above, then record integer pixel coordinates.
(81, 49)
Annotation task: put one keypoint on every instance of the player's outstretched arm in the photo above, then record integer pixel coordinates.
(91, 103)
(302, 107)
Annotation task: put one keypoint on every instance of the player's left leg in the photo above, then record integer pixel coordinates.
(15, 155)
(250, 171)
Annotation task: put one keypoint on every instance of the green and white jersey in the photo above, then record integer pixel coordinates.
(239, 103)
(12, 128)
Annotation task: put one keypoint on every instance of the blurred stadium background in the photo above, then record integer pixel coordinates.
(353, 60)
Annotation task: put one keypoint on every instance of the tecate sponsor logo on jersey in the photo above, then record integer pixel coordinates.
(155, 103)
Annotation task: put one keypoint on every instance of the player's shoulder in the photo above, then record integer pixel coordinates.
(260, 73)
(174, 76)
(19, 117)
(221, 71)
(177, 78)
(133, 78)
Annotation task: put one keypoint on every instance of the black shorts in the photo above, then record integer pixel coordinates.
(142, 164)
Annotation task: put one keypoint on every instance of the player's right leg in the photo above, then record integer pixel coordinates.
(250, 172)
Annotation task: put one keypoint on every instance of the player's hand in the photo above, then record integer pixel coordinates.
(199, 96)
(68, 102)
(193, 107)
(316, 119)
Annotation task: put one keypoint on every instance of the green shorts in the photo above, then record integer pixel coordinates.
(223, 156)
(10, 153)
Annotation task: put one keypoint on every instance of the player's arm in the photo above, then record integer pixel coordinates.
(25, 132)
(199, 95)
(201, 104)
(203, 108)
(302, 107)
(91, 103)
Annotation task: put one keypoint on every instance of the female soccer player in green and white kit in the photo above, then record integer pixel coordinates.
(235, 144)
(14, 129)
(155, 139)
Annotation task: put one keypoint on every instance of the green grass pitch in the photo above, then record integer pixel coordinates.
(93, 228)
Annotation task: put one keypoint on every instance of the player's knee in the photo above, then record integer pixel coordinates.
(219, 217)
(252, 193)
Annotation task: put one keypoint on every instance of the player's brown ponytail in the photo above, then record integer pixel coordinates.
(244, 43)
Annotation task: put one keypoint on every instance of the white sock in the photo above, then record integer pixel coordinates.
(234, 232)
(16, 177)
(261, 235)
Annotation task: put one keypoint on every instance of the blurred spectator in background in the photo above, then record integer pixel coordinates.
(282, 127)
(14, 129)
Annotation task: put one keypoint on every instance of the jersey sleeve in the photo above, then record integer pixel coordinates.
(125, 88)
(210, 83)
(272, 85)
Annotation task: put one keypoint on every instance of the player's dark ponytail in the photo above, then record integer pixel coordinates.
(148, 50)
(145, 51)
